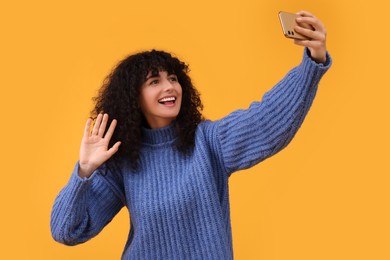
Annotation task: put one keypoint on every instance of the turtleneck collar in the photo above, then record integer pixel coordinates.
(159, 135)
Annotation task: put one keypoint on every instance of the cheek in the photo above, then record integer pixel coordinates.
(143, 101)
(180, 91)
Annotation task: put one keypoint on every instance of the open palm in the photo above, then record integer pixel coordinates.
(94, 149)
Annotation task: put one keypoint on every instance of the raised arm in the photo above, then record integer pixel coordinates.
(94, 194)
(252, 135)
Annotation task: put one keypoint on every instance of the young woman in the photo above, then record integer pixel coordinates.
(150, 150)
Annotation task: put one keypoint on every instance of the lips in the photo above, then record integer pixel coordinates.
(167, 100)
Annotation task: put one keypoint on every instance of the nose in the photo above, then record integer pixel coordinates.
(167, 85)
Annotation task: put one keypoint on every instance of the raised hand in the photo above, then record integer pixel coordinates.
(94, 145)
(317, 35)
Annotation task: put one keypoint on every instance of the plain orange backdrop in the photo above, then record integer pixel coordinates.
(325, 196)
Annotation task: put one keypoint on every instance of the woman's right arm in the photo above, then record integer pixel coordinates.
(94, 193)
(86, 205)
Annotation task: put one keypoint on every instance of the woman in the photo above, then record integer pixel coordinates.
(168, 165)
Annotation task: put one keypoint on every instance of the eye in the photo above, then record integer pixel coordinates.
(153, 82)
(173, 78)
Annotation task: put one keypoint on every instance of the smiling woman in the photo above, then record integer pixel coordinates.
(168, 165)
(131, 95)
(160, 99)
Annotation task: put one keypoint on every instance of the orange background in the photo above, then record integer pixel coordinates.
(326, 196)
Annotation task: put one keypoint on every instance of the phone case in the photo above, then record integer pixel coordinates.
(288, 22)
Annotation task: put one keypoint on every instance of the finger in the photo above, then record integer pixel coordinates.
(95, 129)
(110, 130)
(114, 149)
(103, 125)
(301, 42)
(313, 35)
(305, 32)
(87, 129)
(307, 43)
(313, 45)
(305, 13)
(312, 21)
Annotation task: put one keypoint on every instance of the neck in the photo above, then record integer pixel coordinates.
(159, 135)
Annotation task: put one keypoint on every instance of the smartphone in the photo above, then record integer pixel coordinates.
(288, 22)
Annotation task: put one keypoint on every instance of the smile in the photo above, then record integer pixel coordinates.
(167, 100)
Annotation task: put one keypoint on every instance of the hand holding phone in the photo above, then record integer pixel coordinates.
(288, 22)
(307, 31)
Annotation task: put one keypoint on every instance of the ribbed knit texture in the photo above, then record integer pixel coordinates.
(179, 204)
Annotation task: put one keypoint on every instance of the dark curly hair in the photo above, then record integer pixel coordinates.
(119, 98)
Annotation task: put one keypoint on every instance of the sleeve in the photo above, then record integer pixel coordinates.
(86, 205)
(246, 137)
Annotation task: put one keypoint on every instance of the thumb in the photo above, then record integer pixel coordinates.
(114, 149)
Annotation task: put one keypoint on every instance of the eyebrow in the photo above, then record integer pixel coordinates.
(153, 76)
(158, 75)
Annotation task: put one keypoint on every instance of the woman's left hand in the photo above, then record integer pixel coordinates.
(317, 35)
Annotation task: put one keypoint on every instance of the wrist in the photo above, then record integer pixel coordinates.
(321, 60)
(85, 171)
(318, 57)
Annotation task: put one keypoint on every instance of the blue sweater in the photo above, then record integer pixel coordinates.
(179, 204)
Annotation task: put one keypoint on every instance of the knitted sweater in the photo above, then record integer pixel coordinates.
(179, 204)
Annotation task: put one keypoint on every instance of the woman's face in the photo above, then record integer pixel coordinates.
(160, 99)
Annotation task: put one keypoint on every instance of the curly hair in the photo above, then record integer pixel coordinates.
(119, 98)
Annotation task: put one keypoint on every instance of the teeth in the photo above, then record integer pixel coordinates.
(167, 99)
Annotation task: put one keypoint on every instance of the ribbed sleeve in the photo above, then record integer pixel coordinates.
(85, 206)
(252, 135)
